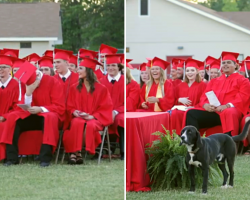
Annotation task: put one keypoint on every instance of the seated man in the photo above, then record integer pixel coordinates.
(233, 92)
(45, 113)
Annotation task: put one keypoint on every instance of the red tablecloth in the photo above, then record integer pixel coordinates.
(139, 129)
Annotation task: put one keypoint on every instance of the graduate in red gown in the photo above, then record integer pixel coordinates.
(158, 94)
(214, 69)
(45, 98)
(9, 92)
(233, 93)
(176, 80)
(132, 90)
(114, 81)
(65, 77)
(187, 93)
(16, 65)
(89, 103)
(46, 65)
(144, 75)
(207, 64)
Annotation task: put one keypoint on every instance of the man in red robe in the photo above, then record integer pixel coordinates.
(233, 93)
(45, 110)
(114, 81)
(65, 77)
(176, 79)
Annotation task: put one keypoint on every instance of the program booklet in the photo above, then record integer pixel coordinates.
(212, 98)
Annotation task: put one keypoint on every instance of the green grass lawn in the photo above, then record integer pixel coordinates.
(241, 190)
(90, 181)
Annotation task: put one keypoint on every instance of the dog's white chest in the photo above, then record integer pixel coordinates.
(192, 162)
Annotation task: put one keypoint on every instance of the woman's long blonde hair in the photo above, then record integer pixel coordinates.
(129, 76)
(197, 78)
(161, 82)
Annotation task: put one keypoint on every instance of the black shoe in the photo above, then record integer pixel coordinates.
(9, 163)
(44, 164)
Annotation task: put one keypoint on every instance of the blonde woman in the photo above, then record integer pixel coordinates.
(187, 93)
(158, 94)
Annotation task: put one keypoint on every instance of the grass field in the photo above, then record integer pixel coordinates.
(90, 181)
(241, 190)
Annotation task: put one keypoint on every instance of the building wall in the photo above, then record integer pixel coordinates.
(37, 47)
(170, 26)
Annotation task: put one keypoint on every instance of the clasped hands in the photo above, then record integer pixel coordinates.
(82, 115)
(149, 100)
(211, 108)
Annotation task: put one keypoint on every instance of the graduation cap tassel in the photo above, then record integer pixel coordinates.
(20, 88)
(246, 69)
(78, 62)
(105, 66)
(209, 75)
(220, 64)
(184, 69)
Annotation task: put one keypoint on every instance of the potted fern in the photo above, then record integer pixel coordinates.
(166, 164)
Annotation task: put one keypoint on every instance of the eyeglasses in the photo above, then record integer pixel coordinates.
(3, 67)
(44, 69)
(227, 62)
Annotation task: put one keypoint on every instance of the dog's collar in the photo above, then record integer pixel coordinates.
(195, 151)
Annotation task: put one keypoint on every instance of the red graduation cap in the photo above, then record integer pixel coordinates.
(181, 63)
(11, 52)
(129, 65)
(210, 59)
(85, 53)
(48, 53)
(229, 56)
(46, 61)
(149, 63)
(62, 54)
(1, 51)
(32, 57)
(6, 60)
(175, 62)
(89, 63)
(27, 73)
(190, 62)
(105, 49)
(73, 59)
(17, 63)
(160, 63)
(143, 67)
(215, 65)
(201, 66)
(113, 58)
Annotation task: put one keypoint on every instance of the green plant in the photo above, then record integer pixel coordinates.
(166, 164)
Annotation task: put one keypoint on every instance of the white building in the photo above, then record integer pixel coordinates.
(30, 27)
(176, 28)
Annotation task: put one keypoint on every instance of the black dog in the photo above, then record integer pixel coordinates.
(202, 152)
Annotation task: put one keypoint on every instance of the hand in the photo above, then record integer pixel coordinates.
(88, 117)
(209, 107)
(30, 88)
(144, 105)
(76, 113)
(113, 115)
(152, 100)
(35, 110)
(185, 101)
(2, 119)
(221, 108)
(83, 115)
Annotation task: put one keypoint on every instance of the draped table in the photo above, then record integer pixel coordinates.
(139, 129)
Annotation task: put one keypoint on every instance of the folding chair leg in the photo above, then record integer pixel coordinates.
(58, 148)
(63, 157)
(109, 150)
(100, 153)
(85, 156)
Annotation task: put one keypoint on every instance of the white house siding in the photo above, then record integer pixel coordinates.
(169, 26)
(37, 47)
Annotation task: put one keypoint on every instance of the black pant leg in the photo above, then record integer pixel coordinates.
(202, 119)
(46, 153)
(121, 139)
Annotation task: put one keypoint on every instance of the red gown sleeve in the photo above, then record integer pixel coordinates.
(142, 95)
(167, 102)
(132, 96)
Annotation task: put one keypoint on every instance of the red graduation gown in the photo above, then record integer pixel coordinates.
(98, 104)
(183, 90)
(132, 96)
(176, 82)
(48, 95)
(165, 103)
(71, 80)
(99, 74)
(236, 90)
(116, 92)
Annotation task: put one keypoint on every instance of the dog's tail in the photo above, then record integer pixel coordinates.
(244, 133)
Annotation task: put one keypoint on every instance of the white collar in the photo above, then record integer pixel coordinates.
(66, 75)
(117, 77)
(6, 82)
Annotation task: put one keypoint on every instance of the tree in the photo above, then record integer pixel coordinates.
(243, 5)
(230, 6)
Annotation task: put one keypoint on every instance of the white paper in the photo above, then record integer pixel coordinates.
(24, 106)
(212, 98)
(182, 108)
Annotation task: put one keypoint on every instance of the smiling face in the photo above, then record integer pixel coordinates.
(173, 74)
(202, 73)
(214, 73)
(144, 76)
(82, 72)
(5, 70)
(179, 72)
(191, 73)
(228, 67)
(155, 72)
(113, 69)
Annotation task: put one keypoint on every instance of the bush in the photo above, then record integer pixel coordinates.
(167, 168)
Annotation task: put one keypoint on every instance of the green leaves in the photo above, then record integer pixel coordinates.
(166, 165)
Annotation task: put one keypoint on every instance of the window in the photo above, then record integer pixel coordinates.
(25, 45)
(144, 7)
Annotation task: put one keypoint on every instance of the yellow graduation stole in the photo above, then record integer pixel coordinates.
(158, 95)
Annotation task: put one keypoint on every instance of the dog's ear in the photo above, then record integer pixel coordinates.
(198, 140)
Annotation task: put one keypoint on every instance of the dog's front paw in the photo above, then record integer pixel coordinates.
(204, 193)
(190, 192)
(230, 186)
(224, 186)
